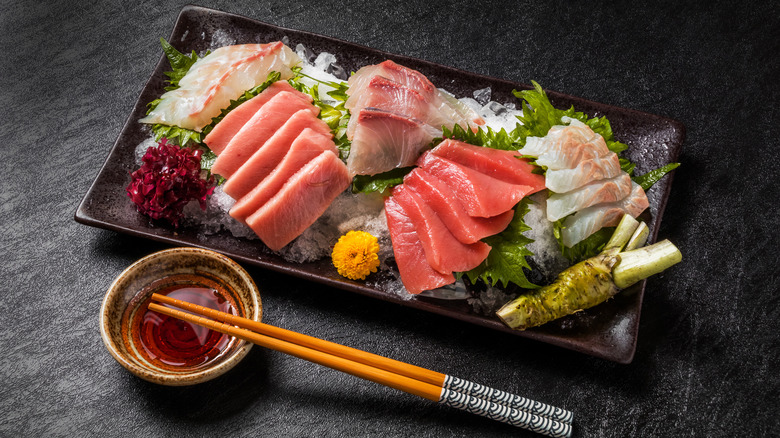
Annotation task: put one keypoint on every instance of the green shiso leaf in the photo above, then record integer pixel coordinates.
(539, 115)
(648, 179)
(379, 182)
(176, 135)
(483, 137)
(331, 112)
(506, 261)
(180, 63)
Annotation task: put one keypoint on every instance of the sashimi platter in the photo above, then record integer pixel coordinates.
(496, 203)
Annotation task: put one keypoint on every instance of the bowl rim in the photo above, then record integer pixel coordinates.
(181, 378)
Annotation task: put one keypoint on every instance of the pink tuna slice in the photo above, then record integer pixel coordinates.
(303, 199)
(443, 251)
(481, 195)
(384, 140)
(387, 95)
(220, 136)
(467, 229)
(304, 148)
(265, 159)
(416, 274)
(502, 165)
(258, 129)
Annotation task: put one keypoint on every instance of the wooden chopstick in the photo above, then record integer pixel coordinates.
(395, 374)
(435, 378)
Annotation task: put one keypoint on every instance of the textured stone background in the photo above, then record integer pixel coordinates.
(707, 359)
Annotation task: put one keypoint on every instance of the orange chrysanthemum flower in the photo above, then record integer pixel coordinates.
(355, 255)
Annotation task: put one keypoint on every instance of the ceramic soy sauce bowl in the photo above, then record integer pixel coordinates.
(129, 294)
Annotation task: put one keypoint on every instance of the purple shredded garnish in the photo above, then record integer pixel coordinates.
(169, 179)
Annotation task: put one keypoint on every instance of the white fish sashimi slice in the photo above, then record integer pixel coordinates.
(214, 80)
(566, 146)
(566, 180)
(385, 140)
(587, 221)
(560, 205)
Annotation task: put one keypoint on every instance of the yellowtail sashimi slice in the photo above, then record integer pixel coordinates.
(385, 140)
(444, 104)
(388, 95)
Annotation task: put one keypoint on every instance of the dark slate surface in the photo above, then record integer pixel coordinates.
(708, 342)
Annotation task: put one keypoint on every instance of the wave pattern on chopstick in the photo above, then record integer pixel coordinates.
(505, 414)
(504, 398)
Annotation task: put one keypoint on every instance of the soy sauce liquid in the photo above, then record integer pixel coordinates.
(171, 343)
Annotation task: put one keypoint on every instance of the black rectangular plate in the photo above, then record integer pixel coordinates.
(608, 331)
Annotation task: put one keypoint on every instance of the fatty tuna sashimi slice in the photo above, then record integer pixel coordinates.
(215, 79)
(443, 201)
(220, 136)
(587, 221)
(416, 274)
(271, 153)
(384, 140)
(304, 148)
(300, 202)
(502, 165)
(257, 130)
(481, 195)
(443, 251)
(564, 147)
(566, 180)
(388, 95)
(560, 205)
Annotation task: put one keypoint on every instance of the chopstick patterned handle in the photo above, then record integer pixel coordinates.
(503, 413)
(510, 400)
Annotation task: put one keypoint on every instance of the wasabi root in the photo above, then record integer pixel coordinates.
(594, 280)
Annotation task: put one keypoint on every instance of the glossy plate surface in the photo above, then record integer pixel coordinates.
(608, 331)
